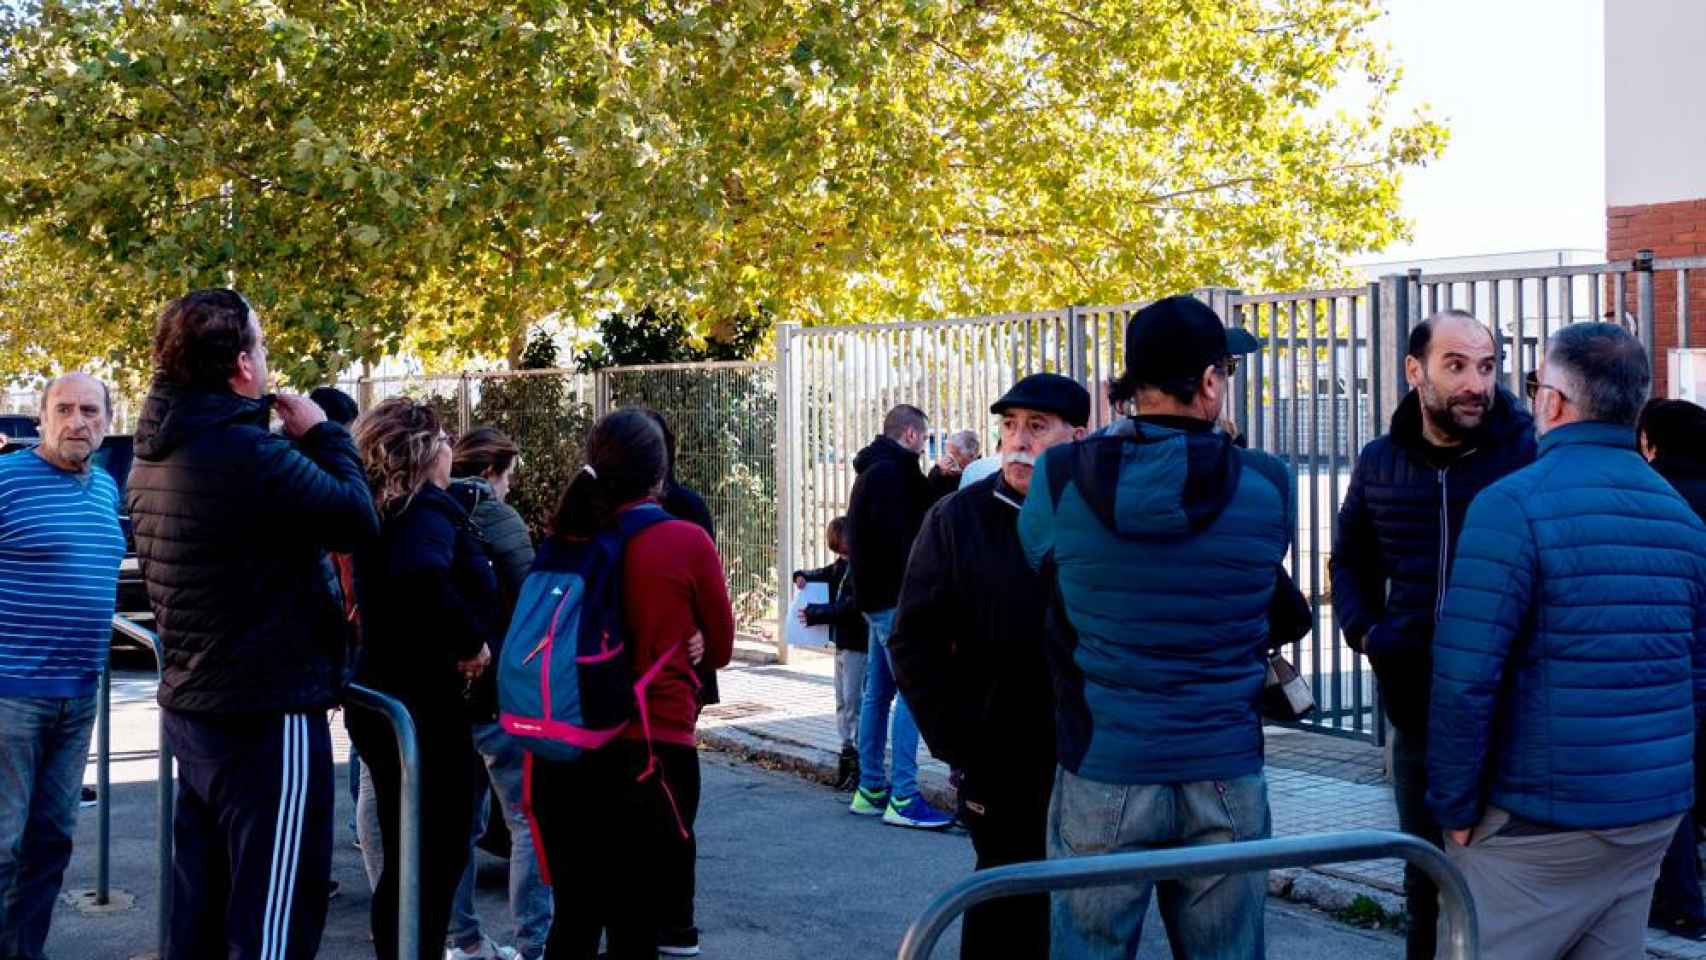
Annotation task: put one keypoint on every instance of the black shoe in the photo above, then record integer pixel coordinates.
(87, 798)
(847, 770)
(1682, 927)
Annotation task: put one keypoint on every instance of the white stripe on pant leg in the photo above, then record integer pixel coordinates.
(277, 836)
(301, 816)
(273, 930)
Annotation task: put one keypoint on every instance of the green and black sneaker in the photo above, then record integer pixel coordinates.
(868, 803)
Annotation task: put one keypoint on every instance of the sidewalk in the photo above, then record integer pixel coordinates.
(785, 715)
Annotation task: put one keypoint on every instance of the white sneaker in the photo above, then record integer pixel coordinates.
(487, 950)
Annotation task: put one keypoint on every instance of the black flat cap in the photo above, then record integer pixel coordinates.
(1050, 393)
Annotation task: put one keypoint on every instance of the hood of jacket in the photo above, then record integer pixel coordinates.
(172, 415)
(470, 492)
(1505, 421)
(884, 449)
(1157, 478)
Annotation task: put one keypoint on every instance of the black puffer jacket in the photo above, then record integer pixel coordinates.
(1390, 564)
(969, 643)
(231, 526)
(1688, 475)
(429, 600)
(885, 510)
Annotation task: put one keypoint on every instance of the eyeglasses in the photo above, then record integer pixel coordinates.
(1229, 363)
(1532, 386)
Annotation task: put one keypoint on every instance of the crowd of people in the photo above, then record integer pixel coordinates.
(281, 564)
(1082, 625)
(1084, 637)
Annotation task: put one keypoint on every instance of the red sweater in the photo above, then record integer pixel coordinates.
(672, 587)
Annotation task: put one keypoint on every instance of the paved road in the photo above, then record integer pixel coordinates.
(784, 873)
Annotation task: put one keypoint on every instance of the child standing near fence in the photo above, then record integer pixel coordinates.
(847, 631)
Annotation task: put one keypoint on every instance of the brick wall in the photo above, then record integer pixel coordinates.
(1669, 230)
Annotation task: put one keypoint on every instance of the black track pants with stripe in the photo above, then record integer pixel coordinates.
(252, 835)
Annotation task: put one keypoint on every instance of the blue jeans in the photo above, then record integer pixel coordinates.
(529, 898)
(874, 717)
(1207, 918)
(44, 745)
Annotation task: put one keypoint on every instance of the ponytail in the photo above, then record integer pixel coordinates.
(625, 461)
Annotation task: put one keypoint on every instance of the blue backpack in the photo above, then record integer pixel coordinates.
(565, 676)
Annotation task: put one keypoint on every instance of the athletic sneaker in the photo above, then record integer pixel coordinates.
(678, 943)
(486, 949)
(868, 803)
(914, 811)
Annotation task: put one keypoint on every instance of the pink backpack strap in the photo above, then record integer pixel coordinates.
(652, 767)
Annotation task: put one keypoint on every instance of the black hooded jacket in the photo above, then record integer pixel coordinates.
(232, 523)
(1397, 532)
(883, 516)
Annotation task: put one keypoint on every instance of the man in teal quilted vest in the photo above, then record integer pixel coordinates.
(1570, 670)
(1164, 539)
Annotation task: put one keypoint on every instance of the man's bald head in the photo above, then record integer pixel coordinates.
(76, 410)
(1454, 367)
(1459, 322)
(79, 377)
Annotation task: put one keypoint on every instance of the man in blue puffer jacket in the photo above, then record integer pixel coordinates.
(1570, 669)
(1163, 539)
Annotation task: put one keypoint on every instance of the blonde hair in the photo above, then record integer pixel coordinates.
(398, 441)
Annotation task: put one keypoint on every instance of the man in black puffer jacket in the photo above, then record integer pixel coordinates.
(1455, 434)
(232, 523)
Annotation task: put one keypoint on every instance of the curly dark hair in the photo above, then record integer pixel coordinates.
(199, 336)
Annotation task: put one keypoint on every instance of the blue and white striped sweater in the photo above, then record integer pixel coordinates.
(60, 548)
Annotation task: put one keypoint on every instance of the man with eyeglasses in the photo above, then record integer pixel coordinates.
(1569, 670)
(1161, 540)
(232, 522)
(1453, 435)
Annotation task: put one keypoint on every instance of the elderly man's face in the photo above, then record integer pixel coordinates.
(73, 422)
(1025, 434)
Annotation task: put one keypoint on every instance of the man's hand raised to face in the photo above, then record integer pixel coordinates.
(298, 414)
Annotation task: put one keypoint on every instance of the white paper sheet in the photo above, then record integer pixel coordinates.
(797, 633)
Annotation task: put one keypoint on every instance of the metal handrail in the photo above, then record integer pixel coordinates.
(409, 819)
(165, 797)
(1459, 937)
(409, 812)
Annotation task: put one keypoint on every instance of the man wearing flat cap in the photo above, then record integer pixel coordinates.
(968, 656)
(1163, 540)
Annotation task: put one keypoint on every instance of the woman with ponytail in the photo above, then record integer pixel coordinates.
(429, 609)
(610, 832)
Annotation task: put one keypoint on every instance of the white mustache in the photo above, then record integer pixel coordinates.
(1018, 456)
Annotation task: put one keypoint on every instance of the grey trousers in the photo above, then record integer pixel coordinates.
(1580, 895)
(849, 688)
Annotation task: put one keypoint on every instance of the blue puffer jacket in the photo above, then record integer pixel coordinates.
(1570, 662)
(1165, 540)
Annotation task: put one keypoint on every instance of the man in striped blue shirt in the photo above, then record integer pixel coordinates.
(60, 547)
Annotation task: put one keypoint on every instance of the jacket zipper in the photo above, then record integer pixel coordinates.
(1444, 537)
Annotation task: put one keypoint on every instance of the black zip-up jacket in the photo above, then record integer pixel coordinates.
(969, 643)
(847, 627)
(429, 599)
(1688, 476)
(885, 510)
(232, 523)
(1397, 530)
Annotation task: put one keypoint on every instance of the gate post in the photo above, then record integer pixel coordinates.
(786, 493)
(1075, 355)
(1391, 339)
(1646, 314)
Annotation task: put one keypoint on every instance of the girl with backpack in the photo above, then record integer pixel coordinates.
(612, 824)
(429, 605)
